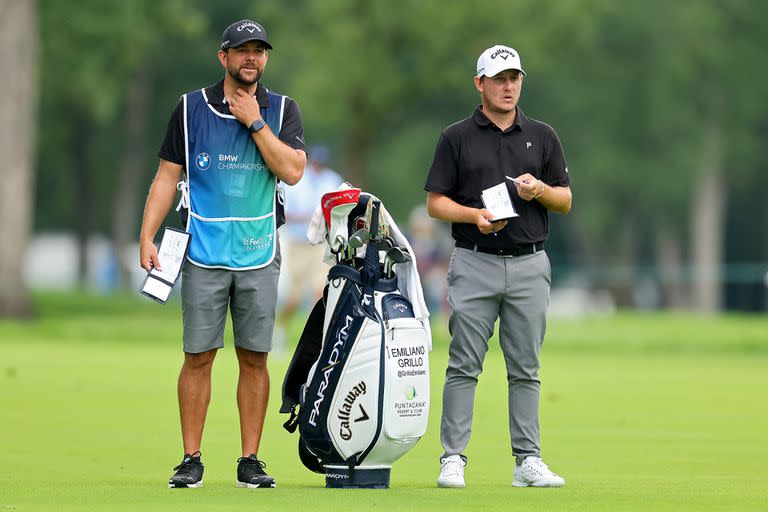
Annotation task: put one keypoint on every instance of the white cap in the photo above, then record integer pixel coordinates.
(498, 58)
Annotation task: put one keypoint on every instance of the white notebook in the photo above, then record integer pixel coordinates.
(497, 201)
(172, 253)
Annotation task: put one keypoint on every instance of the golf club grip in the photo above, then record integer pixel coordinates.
(374, 227)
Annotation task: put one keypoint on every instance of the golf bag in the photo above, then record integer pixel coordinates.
(357, 387)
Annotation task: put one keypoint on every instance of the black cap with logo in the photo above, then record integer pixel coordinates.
(242, 32)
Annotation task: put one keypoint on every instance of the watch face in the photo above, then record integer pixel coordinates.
(257, 125)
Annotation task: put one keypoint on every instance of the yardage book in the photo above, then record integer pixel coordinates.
(497, 201)
(172, 252)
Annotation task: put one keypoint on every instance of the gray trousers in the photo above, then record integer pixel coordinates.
(481, 288)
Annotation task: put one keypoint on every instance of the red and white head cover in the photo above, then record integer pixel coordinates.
(338, 198)
(336, 206)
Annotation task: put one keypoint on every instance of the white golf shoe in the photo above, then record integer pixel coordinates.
(534, 473)
(451, 472)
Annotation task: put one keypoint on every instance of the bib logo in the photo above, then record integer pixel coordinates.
(203, 161)
(255, 244)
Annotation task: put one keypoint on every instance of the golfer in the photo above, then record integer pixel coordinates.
(499, 268)
(231, 142)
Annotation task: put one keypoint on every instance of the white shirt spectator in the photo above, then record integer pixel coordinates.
(302, 198)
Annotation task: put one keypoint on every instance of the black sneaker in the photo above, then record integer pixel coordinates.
(189, 473)
(250, 473)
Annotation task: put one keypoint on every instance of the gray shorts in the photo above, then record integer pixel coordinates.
(251, 296)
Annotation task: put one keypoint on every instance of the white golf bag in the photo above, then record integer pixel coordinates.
(357, 387)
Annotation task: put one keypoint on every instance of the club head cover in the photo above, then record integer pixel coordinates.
(336, 206)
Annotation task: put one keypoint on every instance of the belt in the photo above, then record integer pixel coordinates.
(514, 250)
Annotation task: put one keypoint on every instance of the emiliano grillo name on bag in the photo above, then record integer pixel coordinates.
(408, 357)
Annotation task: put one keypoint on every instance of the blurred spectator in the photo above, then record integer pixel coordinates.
(432, 247)
(303, 274)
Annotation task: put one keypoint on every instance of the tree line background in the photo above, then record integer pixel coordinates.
(660, 107)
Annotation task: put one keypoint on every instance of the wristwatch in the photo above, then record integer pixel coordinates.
(257, 125)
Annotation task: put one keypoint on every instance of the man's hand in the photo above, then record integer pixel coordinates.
(244, 107)
(528, 187)
(484, 224)
(442, 207)
(148, 256)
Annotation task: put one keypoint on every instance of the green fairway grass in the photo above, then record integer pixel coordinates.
(639, 412)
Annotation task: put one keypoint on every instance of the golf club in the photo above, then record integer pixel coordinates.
(356, 241)
(393, 256)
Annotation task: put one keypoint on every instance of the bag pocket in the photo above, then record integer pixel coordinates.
(395, 305)
(406, 406)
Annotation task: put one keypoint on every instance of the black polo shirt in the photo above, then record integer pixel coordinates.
(291, 130)
(474, 154)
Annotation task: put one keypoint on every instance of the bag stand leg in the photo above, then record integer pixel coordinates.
(341, 477)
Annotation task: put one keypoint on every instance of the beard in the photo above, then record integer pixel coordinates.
(236, 75)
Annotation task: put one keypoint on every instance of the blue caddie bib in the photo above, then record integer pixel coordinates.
(231, 192)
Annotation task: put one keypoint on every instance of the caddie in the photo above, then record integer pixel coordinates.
(227, 146)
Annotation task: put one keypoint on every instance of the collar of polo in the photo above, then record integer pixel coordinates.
(481, 120)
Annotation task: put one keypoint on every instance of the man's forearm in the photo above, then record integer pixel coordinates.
(556, 199)
(285, 162)
(159, 203)
(162, 192)
(444, 208)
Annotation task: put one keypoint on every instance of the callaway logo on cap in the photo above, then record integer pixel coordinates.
(243, 31)
(498, 58)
